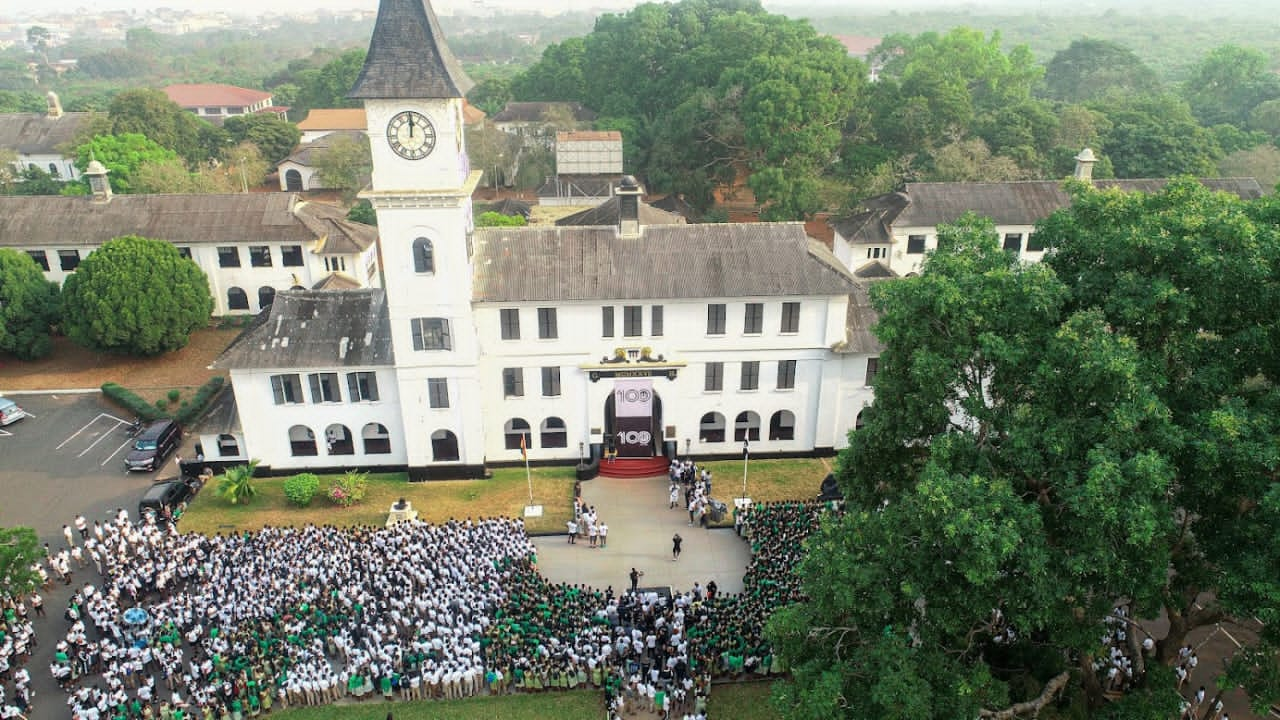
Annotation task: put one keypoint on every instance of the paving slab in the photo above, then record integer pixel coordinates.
(640, 531)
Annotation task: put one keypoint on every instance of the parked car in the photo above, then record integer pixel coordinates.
(168, 493)
(152, 445)
(10, 412)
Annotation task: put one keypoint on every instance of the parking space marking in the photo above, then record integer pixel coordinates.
(118, 423)
(113, 454)
(5, 433)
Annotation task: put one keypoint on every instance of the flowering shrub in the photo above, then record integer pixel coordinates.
(349, 489)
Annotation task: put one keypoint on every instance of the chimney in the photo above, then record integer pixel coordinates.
(1084, 165)
(54, 105)
(97, 174)
(628, 193)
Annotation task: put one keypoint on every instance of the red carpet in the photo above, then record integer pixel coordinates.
(635, 467)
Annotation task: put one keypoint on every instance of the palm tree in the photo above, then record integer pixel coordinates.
(237, 483)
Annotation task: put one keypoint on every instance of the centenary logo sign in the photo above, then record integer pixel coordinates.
(635, 437)
(635, 395)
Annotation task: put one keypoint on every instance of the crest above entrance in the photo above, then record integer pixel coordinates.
(637, 362)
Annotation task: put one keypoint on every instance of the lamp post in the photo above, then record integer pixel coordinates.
(581, 457)
(746, 452)
(687, 443)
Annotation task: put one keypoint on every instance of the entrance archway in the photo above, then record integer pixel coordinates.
(655, 424)
(293, 181)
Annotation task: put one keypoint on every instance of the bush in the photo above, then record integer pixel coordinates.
(349, 489)
(173, 395)
(161, 404)
(301, 488)
(188, 412)
(130, 401)
(237, 485)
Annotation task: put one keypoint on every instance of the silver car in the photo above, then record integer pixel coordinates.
(10, 412)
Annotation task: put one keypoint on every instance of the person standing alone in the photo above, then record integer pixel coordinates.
(675, 546)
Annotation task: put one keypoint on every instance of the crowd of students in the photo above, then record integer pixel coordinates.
(17, 638)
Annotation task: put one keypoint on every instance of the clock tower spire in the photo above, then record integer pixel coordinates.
(413, 87)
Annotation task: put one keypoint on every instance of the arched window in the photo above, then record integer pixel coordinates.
(554, 434)
(444, 446)
(861, 420)
(293, 181)
(53, 170)
(237, 300)
(782, 426)
(424, 256)
(266, 296)
(377, 441)
(711, 428)
(302, 441)
(514, 430)
(338, 439)
(746, 426)
(228, 446)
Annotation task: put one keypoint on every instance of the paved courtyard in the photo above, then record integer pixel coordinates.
(640, 530)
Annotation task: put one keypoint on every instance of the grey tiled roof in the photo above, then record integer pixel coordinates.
(37, 133)
(609, 211)
(316, 329)
(859, 319)
(307, 153)
(874, 270)
(1007, 203)
(536, 112)
(408, 56)
(50, 221)
(667, 261)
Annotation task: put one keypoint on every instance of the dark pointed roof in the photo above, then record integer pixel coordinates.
(408, 57)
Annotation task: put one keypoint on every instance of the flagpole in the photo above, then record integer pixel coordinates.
(528, 478)
(744, 467)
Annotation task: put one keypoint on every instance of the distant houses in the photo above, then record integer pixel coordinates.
(43, 140)
(215, 102)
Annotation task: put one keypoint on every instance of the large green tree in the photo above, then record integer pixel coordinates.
(346, 165)
(1090, 69)
(28, 306)
(136, 296)
(1157, 137)
(150, 112)
(1228, 83)
(274, 137)
(1048, 441)
(122, 155)
(19, 551)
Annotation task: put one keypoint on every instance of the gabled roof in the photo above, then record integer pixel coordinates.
(675, 204)
(38, 133)
(609, 213)
(874, 270)
(536, 112)
(512, 207)
(1007, 203)
(316, 329)
(859, 318)
(334, 119)
(56, 221)
(566, 264)
(307, 154)
(209, 94)
(472, 115)
(336, 281)
(408, 56)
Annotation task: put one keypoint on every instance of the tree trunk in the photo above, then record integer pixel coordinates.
(1032, 707)
(1167, 648)
(1092, 687)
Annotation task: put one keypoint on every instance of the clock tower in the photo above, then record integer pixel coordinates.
(413, 87)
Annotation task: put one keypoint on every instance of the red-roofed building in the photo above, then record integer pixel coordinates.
(216, 103)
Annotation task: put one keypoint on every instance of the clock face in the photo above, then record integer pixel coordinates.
(411, 135)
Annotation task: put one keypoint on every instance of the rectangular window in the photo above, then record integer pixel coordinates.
(790, 318)
(633, 321)
(714, 381)
(915, 244)
(431, 334)
(362, 386)
(550, 382)
(753, 319)
(1034, 244)
(438, 392)
(184, 252)
(228, 257)
(750, 375)
(510, 321)
(606, 321)
(547, 324)
(260, 256)
(41, 258)
(69, 260)
(324, 388)
(513, 382)
(786, 374)
(715, 319)
(287, 389)
(1013, 242)
(873, 366)
(655, 321)
(333, 264)
(291, 256)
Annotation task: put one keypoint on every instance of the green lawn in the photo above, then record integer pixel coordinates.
(741, 701)
(506, 493)
(577, 705)
(768, 480)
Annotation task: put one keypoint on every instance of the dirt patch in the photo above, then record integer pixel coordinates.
(71, 366)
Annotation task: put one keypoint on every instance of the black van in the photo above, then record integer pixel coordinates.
(168, 493)
(152, 445)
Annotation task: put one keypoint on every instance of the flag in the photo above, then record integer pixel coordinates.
(524, 448)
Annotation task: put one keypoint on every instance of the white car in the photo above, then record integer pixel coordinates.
(10, 412)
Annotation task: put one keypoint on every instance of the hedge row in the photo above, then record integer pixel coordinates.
(187, 412)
